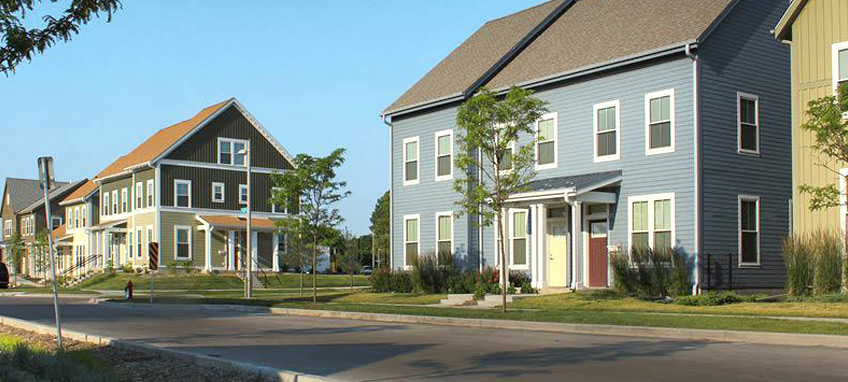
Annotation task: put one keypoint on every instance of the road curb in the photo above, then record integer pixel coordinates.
(198, 359)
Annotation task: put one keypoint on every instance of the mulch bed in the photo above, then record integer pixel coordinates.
(135, 366)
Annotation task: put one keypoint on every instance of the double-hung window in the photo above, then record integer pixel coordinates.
(150, 193)
(749, 123)
(749, 230)
(652, 221)
(410, 161)
(506, 158)
(106, 203)
(840, 68)
(659, 122)
(182, 242)
(76, 217)
(546, 142)
(444, 236)
(218, 192)
(410, 239)
(277, 208)
(139, 195)
(607, 135)
(115, 202)
(444, 155)
(124, 200)
(138, 243)
(231, 151)
(182, 193)
(242, 193)
(84, 213)
(7, 228)
(518, 238)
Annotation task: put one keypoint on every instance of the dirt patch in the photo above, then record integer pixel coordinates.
(135, 366)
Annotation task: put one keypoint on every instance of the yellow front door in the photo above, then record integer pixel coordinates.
(557, 255)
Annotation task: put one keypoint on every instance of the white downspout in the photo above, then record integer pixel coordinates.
(696, 287)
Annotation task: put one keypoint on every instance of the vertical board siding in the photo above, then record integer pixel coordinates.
(741, 55)
(201, 187)
(820, 24)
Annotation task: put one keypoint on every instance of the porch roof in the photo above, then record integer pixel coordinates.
(577, 183)
(120, 223)
(236, 222)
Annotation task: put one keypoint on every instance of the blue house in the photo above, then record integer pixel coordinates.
(669, 126)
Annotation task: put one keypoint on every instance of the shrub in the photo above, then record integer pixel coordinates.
(518, 278)
(624, 276)
(126, 268)
(428, 276)
(713, 299)
(680, 274)
(186, 266)
(401, 282)
(797, 258)
(480, 290)
(381, 281)
(652, 274)
(827, 262)
(172, 266)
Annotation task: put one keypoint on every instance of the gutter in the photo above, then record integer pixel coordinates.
(387, 120)
(696, 90)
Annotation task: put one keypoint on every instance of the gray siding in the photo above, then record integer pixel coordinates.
(573, 103)
(201, 187)
(741, 55)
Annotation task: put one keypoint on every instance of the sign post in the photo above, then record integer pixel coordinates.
(46, 178)
(153, 251)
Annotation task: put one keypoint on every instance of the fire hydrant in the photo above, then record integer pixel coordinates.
(128, 290)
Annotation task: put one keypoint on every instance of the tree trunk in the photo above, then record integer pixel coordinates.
(301, 276)
(502, 255)
(314, 268)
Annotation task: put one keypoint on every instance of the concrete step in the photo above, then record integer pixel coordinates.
(555, 290)
(495, 300)
(458, 300)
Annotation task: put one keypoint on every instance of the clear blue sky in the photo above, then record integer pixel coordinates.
(316, 73)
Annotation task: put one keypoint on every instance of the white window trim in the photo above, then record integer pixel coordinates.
(438, 135)
(285, 210)
(83, 216)
(512, 146)
(125, 202)
(115, 205)
(511, 231)
(417, 161)
(756, 99)
(106, 203)
(176, 243)
(223, 192)
(538, 167)
(595, 108)
(243, 187)
(230, 141)
(835, 62)
(176, 195)
(651, 230)
(651, 96)
(438, 215)
(748, 198)
(405, 219)
(139, 195)
(150, 200)
(139, 243)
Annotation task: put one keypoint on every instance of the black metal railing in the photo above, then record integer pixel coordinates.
(717, 271)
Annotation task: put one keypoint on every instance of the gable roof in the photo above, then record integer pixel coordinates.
(589, 33)
(57, 192)
(80, 194)
(165, 140)
(22, 192)
(783, 29)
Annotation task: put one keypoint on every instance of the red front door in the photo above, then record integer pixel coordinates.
(598, 253)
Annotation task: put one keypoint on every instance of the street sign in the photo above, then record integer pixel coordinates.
(153, 250)
(45, 172)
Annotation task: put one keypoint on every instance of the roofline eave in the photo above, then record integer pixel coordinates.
(784, 26)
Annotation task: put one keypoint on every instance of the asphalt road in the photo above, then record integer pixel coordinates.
(368, 351)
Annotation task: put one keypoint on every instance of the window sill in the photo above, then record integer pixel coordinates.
(217, 201)
(660, 151)
(607, 158)
(410, 183)
(519, 267)
(750, 153)
(546, 167)
(444, 178)
(749, 266)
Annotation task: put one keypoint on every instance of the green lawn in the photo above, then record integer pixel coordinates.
(21, 361)
(272, 298)
(292, 280)
(118, 281)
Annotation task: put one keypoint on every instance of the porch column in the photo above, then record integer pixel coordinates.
(208, 248)
(254, 251)
(231, 250)
(542, 224)
(576, 238)
(276, 259)
(534, 245)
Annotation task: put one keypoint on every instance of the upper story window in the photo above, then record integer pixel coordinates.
(115, 202)
(410, 161)
(7, 228)
(57, 221)
(77, 217)
(83, 215)
(139, 195)
(607, 135)
(749, 230)
(506, 158)
(444, 155)
(106, 203)
(7, 200)
(840, 64)
(749, 123)
(182, 193)
(278, 208)
(124, 200)
(652, 221)
(546, 142)
(150, 192)
(659, 122)
(217, 192)
(229, 149)
(242, 193)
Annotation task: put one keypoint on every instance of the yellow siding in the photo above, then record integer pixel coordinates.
(821, 24)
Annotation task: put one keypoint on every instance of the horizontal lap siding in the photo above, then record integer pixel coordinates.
(741, 55)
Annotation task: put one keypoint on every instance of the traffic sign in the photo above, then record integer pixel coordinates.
(153, 250)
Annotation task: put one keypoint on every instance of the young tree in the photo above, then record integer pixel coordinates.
(349, 260)
(380, 230)
(489, 128)
(15, 247)
(297, 254)
(20, 43)
(314, 182)
(825, 119)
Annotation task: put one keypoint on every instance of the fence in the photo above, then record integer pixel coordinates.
(717, 271)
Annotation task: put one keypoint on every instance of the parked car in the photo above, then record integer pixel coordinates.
(366, 270)
(4, 276)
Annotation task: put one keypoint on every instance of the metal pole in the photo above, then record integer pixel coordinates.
(249, 281)
(730, 269)
(46, 185)
(151, 283)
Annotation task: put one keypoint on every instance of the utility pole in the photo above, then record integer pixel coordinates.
(45, 174)
(248, 282)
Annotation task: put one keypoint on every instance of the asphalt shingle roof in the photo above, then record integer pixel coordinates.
(577, 182)
(58, 191)
(22, 192)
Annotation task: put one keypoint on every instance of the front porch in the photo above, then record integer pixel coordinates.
(566, 222)
(226, 237)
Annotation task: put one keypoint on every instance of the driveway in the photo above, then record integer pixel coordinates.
(367, 351)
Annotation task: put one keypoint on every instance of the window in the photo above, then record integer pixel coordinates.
(281, 243)
(217, 192)
(659, 122)
(444, 236)
(278, 208)
(182, 242)
(607, 122)
(840, 64)
(106, 203)
(410, 239)
(444, 155)
(652, 221)
(149, 234)
(114, 202)
(518, 238)
(83, 214)
(410, 161)
(138, 243)
(182, 193)
(749, 230)
(506, 158)
(7, 199)
(57, 221)
(243, 193)
(749, 123)
(76, 217)
(546, 149)
(228, 151)
(124, 200)
(139, 195)
(150, 193)
(7, 228)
